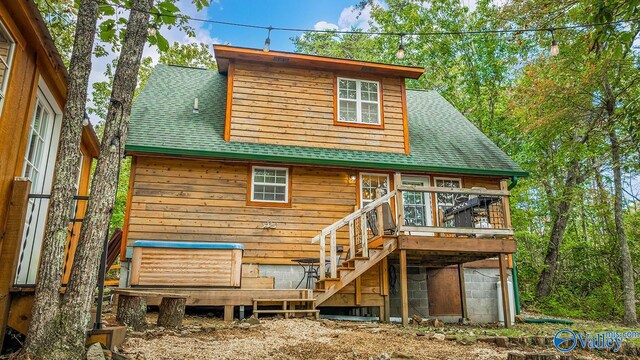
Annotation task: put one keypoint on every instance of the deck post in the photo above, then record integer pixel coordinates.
(228, 313)
(463, 293)
(365, 244)
(384, 289)
(404, 291)
(504, 290)
(397, 181)
(380, 221)
(10, 247)
(352, 240)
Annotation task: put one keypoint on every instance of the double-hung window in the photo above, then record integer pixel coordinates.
(269, 184)
(358, 101)
(6, 54)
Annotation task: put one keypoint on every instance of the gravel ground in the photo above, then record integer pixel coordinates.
(208, 338)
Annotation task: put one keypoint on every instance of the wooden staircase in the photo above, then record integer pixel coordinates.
(352, 269)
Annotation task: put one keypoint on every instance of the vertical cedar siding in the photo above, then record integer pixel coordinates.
(291, 106)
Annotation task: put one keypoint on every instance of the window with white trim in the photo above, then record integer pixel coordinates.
(368, 185)
(6, 55)
(358, 101)
(270, 184)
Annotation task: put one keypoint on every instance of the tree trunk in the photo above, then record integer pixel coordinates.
(628, 281)
(132, 311)
(171, 312)
(561, 220)
(77, 301)
(44, 316)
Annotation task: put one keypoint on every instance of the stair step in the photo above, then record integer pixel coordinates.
(278, 311)
(280, 300)
(315, 313)
(345, 268)
(328, 280)
(353, 260)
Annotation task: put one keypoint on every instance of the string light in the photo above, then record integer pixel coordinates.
(85, 119)
(267, 41)
(153, 30)
(429, 33)
(400, 53)
(555, 50)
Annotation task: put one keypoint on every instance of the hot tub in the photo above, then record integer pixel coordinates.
(186, 263)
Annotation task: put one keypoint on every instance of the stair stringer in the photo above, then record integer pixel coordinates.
(376, 255)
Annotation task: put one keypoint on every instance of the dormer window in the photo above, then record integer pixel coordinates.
(359, 102)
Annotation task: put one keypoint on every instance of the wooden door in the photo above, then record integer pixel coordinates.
(443, 287)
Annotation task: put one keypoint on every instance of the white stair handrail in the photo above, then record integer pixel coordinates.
(354, 215)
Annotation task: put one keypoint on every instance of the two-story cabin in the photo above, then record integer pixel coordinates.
(33, 88)
(283, 176)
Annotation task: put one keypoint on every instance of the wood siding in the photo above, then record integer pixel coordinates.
(194, 200)
(199, 200)
(185, 267)
(290, 106)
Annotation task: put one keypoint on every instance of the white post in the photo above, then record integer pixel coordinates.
(322, 255)
(363, 224)
(332, 260)
(352, 240)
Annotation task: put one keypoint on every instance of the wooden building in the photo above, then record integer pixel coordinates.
(320, 168)
(32, 97)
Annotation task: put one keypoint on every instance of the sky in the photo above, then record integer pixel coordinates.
(306, 14)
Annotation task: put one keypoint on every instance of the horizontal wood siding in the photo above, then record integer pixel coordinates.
(290, 106)
(193, 200)
(185, 267)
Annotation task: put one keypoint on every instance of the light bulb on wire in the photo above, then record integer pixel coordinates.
(85, 119)
(267, 41)
(153, 30)
(400, 53)
(555, 50)
(112, 147)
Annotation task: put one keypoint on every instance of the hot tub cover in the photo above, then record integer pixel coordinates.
(187, 245)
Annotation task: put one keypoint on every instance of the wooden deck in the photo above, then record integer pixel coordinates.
(222, 297)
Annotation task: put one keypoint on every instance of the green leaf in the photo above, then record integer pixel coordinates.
(107, 30)
(163, 44)
(168, 7)
(107, 10)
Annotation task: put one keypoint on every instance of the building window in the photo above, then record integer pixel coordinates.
(358, 101)
(368, 185)
(6, 55)
(448, 200)
(269, 184)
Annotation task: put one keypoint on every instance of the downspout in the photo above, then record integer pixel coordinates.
(514, 272)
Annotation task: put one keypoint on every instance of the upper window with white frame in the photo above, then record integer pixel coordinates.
(358, 101)
(6, 55)
(270, 184)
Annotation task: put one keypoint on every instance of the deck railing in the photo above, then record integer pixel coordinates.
(363, 224)
(429, 211)
(476, 212)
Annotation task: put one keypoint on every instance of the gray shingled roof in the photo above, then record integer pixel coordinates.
(441, 138)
